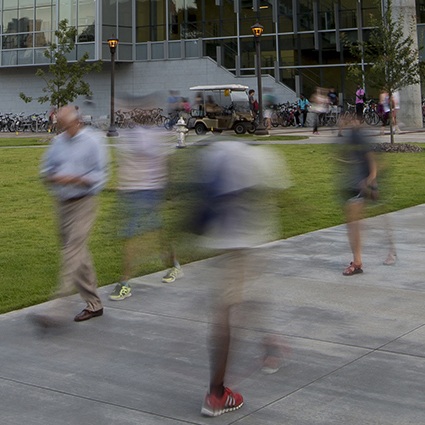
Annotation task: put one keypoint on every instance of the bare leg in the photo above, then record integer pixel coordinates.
(354, 212)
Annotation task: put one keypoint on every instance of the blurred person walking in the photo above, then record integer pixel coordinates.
(75, 168)
(320, 104)
(235, 219)
(359, 184)
(384, 109)
(396, 106)
(143, 155)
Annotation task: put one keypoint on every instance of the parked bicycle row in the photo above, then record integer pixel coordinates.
(20, 122)
(285, 114)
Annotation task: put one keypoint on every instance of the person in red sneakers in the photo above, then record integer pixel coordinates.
(233, 217)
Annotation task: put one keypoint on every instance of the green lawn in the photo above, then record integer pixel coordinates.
(29, 258)
(25, 141)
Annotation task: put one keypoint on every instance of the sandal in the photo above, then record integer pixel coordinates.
(353, 269)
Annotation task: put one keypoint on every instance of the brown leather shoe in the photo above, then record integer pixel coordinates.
(87, 314)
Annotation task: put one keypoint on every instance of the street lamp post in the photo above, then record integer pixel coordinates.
(113, 43)
(257, 30)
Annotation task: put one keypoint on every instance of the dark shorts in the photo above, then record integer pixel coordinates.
(142, 211)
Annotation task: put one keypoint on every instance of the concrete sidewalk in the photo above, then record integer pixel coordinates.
(357, 344)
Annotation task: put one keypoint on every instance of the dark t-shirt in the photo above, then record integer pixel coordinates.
(355, 164)
(251, 102)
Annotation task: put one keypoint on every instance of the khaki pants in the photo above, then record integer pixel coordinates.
(76, 218)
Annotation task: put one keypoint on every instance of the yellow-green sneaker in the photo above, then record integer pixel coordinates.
(120, 292)
(172, 274)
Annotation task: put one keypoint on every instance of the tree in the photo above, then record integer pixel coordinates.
(66, 81)
(391, 59)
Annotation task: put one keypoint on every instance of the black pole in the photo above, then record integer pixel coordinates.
(112, 132)
(261, 130)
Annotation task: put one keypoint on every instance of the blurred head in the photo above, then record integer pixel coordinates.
(68, 120)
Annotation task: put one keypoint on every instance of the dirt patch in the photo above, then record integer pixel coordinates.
(396, 148)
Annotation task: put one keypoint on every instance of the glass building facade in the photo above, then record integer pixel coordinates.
(301, 44)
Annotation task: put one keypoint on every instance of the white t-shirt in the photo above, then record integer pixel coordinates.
(142, 159)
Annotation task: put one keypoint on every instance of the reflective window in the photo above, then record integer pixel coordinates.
(45, 18)
(229, 51)
(326, 20)
(286, 23)
(141, 52)
(247, 53)
(305, 16)
(268, 52)
(25, 56)
(420, 11)
(109, 12)
(125, 35)
(83, 48)
(348, 18)
(142, 34)
(174, 50)
(421, 41)
(192, 50)
(9, 58)
(150, 20)
(229, 19)
(10, 21)
(86, 12)
(125, 22)
(26, 20)
(25, 40)
(86, 33)
(108, 32)
(288, 50)
(10, 4)
(26, 3)
(125, 15)
(43, 39)
(39, 56)
(68, 11)
(10, 42)
(210, 48)
(157, 50)
(125, 52)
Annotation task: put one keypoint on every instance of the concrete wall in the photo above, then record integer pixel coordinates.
(410, 97)
(136, 79)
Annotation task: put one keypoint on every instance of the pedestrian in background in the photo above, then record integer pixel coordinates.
(302, 109)
(360, 98)
(320, 104)
(396, 106)
(253, 104)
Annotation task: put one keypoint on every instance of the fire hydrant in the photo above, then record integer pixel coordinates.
(181, 130)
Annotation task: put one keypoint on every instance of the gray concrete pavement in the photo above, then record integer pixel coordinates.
(357, 343)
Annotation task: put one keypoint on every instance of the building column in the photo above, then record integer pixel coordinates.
(410, 112)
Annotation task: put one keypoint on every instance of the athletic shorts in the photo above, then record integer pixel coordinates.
(141, 211)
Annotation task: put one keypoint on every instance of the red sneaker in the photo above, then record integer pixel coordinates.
(214, 406)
